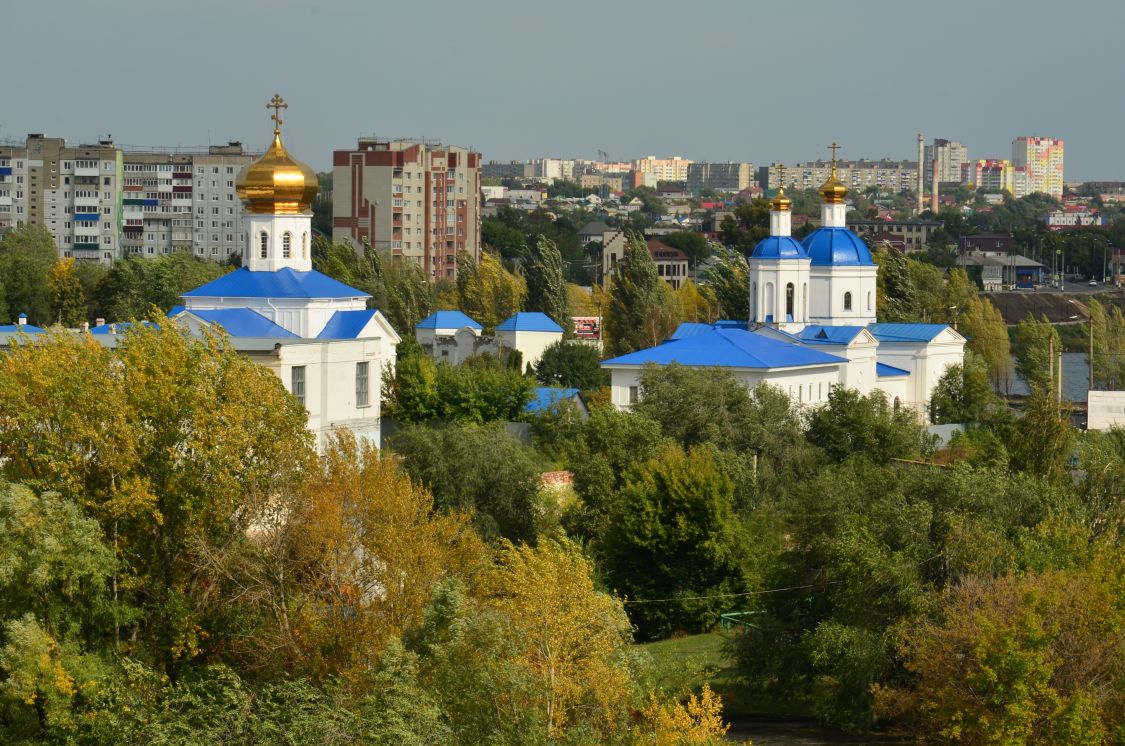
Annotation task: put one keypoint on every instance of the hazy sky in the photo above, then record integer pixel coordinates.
(742, 80)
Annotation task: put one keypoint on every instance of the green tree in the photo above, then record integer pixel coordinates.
(546, 284)
(27, 254)
(1097, 354)
(409, 294)
(572, 364)
(134, 285)
(642, 307)
(727, 282)
(694, 245)
(675, 544)
(68, 302)
(987, 335)
(1043, 439)
(1037, 349)
(964, 395)
(897, 293)
(746, 226)
(850, 423)
(483, 469)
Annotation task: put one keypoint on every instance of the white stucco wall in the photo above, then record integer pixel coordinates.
(1106, 409)
(805, 386)
(530, 344)
(826, 295)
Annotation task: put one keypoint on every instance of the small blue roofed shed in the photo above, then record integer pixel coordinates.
(529, 321)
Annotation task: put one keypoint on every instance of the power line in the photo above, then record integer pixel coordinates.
(730, 595)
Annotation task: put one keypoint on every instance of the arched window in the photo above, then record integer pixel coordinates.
(286, 245)
(805, 301)
(897, 404)
(847, 301)
(305, 245)
(788, 301)
(265, 241)
(754, 300)
(770, 300)
(868, 300)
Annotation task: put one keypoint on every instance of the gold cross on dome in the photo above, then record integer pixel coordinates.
(277, 103)
(833, 147)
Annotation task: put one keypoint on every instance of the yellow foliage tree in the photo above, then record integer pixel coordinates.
(988, 337)
(697, 722)
(696, 306)
(486, 291)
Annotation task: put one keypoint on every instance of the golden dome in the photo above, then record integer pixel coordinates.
(277, 183)
(832, 191)
(780, 202)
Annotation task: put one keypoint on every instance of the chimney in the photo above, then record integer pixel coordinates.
(99, 321)
(934, 188)
(21, 320)
(921, 169)
(85, 326)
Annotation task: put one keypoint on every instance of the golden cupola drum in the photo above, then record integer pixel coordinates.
(277, 183)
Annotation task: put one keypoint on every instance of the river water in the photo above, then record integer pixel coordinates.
(796, 734)
(1076, 378)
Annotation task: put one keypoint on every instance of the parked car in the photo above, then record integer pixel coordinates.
(1093, 283)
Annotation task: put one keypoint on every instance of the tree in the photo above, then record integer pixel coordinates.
(170, 442)
(1042, 441)
(694, 245)
(68, 302)
(674, 544)
(987, 335)
(486, 291)
(963, 394)
(27, 254)
(696, 306)
(134, 285)
(546, 285)
(727, 282)
(897, 293)
(850, 423)
(1097, 355)
(420, 390)
(1037, 347)
(642, 307)
(572, 364)
(748, 225)
(480, 469)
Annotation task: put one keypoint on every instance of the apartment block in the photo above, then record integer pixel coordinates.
(857, 175)
(722, 177)
(653, 169)
(1042, 157)
(996, 175)
(418, 200)
(950, 155)
(72, 191)
(509, 170)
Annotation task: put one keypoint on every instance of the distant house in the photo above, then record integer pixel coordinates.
(452, 336)
(1003, 243)
(548, 398)
(594, 231)
(671, 263)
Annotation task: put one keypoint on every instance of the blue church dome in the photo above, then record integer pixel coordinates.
(837, 247)
(779, 247)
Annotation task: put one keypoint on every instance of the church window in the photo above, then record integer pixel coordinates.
(847, 301)
(754, 300)
(897, 404)
(287, 245)
(805, 301)
(868, 300)
(297, 383)
(769, 301)
(305, 245)
(789, 301)
(265, 244)
(361, 389)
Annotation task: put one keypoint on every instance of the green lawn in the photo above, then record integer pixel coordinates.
(705, 659)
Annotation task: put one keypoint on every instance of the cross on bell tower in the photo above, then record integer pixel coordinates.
(833, 147)
(277, 103)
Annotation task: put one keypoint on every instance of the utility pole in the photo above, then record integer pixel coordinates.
(1091, 323)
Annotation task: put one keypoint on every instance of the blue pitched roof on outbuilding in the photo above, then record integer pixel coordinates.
(728, 348)
(779, 247)
(837, 247)
(882, 370)
(839, 335)
(545, 398)
(282, 283)
(25, 328)
(529, 321)
(118, 327)
(691, 328)
(242, 322)
(892, 332)
(447, 320)
(346, 324)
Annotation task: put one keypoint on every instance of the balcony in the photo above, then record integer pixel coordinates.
(86, 171)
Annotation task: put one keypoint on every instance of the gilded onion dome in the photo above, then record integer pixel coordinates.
(277, 183)
(832, 191)
(780, 202)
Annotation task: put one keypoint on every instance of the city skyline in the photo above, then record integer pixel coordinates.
(759, 84)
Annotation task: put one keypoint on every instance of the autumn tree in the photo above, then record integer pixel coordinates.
(1037, 349)
(696, 306)
(643, 309)
(727, 283)
(68, 302)
(135, 284)
(486, 291)
(546, 283)
(27, 254)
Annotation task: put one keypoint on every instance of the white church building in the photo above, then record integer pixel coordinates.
(812, 324)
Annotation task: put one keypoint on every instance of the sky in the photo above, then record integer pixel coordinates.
(707, 80)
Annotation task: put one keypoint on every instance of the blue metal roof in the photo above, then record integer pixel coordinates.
(529, 321)
(836, 335)
(779, 247)
(346, 324)
(691, 328)
(242, 322)
(25, 328)
(891, 332)
(728, 348)
(882, 370)
(447, 320)
(118, 327)
(282, 283)
(837, 247)
(545, 398)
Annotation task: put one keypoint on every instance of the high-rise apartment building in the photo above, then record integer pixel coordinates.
(722, 177)
(950, 155)
(1042, 157)
(662, 169)
(101, 203)
(995, 175)
(417, 200)
(855, 175)
(72, 191)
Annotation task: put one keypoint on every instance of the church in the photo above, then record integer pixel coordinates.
(812, 323)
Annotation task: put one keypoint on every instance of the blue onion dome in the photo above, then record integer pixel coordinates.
(779, 247)
(837, 247)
